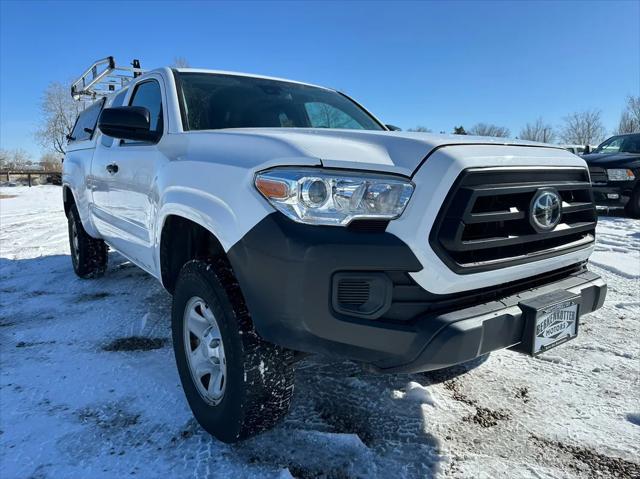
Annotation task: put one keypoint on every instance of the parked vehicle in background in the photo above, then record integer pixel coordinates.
(579, 149)
(615, 167)
(284, 218)
(55, 179)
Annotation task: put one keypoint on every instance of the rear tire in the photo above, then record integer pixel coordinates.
(258, 376)
(633, 206)
(88, 255)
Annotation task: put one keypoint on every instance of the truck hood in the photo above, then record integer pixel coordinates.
(613, 160)
(392, 151)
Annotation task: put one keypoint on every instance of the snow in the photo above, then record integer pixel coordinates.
(416, 392)
(618, 249)
(72, 407)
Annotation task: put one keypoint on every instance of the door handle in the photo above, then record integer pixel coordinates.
(112, 168)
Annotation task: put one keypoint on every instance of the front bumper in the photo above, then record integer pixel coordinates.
(613, 194)
(471, 332)
(287, 273)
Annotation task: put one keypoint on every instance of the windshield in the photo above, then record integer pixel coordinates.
(620, 144)
(214, 101)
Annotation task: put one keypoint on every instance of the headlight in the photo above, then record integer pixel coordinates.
(324, 197)
(620, 174)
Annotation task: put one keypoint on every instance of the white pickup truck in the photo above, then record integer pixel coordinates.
(284, 218)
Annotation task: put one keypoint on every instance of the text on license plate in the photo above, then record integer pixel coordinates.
(556, 324)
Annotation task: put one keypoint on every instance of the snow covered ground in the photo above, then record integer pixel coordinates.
(78, 401)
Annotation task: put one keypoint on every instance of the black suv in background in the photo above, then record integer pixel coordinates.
(614, 168)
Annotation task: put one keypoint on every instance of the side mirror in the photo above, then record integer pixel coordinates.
(127, 123)
(393, 127)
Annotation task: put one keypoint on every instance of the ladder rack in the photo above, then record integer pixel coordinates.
(104, 77)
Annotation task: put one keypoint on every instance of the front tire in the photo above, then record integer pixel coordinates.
(89, 255)
(236, 384)
(633, 206)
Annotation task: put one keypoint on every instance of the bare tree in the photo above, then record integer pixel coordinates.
(59, 112)
(180, 62)
(583, 128)
(22, 159)
(538, 131)
(4, 159)
(487, 129)
(630, 118)
(419, 128)
(15, 160)
(51, 162)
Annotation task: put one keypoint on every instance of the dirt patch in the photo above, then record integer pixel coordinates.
(523, 393)
(26, 344)
(135, 343)
(191, 429)
(108, 417)
(483, 416)
(6, 197)
(37, 293)
(486, 417)
(92, 296)
(600, 465)
(52, 409)
(454, 387)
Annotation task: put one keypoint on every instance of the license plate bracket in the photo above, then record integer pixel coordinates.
(550, 320)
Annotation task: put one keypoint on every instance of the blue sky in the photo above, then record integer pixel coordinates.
(436, 64)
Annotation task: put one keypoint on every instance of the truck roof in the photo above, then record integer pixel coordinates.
(250, 75)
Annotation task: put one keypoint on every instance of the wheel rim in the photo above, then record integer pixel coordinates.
(204, 350)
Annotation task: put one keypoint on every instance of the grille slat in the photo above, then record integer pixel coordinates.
(484, 222)
(598, 175)
(577, 207)
(495, 216)
(494, 242)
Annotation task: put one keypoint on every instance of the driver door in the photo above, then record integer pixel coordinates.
(130, 168)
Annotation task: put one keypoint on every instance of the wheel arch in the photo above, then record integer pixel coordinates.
(181, 240)
(191, 212)
(67, 198)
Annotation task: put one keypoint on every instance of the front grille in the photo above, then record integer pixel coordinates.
(598, 175)
(484, 223)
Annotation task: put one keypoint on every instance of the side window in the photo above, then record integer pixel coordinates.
(148, 95)
(117, 101)
(323, 115)
(86, 122)
(614, 145)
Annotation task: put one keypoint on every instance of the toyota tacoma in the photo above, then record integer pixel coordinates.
(286, 219)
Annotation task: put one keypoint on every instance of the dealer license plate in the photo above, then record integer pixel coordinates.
(549, 320)
(555, 325)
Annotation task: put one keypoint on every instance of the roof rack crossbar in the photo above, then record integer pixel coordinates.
(102, 78)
